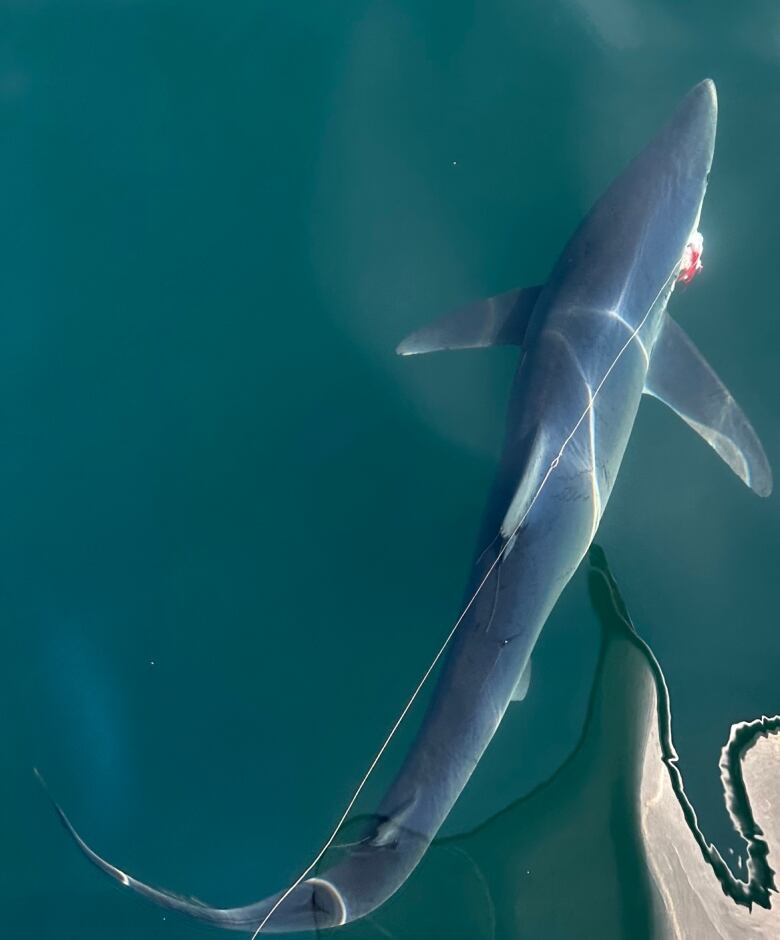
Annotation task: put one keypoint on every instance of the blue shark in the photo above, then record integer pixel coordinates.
(594, 339)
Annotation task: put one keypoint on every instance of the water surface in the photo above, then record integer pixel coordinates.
(236, 527)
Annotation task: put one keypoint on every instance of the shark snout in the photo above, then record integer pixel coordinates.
(692, 127)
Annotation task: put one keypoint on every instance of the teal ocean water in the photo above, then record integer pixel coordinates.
(236, 527)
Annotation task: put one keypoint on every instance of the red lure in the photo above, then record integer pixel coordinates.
(690, 263)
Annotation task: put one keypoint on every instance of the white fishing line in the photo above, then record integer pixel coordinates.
(426, 675)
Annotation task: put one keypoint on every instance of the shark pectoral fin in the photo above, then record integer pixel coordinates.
(681, 377)
(497, 321)
(521, 689)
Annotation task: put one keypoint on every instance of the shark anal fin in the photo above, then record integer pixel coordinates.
(681, 377)
(496, 321)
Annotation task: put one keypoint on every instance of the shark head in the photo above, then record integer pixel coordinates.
(633, 240)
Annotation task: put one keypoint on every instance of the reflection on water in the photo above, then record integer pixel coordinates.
(610, 845)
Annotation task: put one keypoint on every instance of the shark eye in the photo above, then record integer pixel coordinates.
(690, 263)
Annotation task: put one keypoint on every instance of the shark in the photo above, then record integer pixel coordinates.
(594, 339)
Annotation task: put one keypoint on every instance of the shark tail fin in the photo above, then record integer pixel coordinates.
(314, 904)
(496, 321)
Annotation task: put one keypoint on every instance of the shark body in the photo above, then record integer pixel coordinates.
(594, 338)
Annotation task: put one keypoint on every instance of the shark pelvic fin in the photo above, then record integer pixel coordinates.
(496, 321)
(681, 377)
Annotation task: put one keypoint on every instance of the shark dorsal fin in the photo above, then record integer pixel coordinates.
(682, 378)
(521, 689)
(534, 465)
(495, 321)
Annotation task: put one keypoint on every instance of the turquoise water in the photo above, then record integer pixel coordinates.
(236, 526)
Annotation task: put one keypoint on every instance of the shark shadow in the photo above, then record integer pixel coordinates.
(610, 845)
